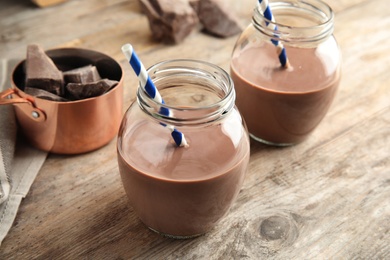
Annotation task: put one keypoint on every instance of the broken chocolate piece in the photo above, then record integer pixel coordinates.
(195, 5)
(41, 72)
(40, 93)
(77, 91)
(169, 21)
(217, 19)
(86, 74)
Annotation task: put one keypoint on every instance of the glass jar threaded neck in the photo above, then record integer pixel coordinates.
(296, 21)
(195, 92)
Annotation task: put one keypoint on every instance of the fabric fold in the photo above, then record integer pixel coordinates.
(19, 162)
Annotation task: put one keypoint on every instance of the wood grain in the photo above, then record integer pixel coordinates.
(327, 198)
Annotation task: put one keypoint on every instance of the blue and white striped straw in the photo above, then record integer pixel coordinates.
(148, 86)
(280, 48)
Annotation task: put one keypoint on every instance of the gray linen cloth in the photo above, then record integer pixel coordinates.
(19, 162)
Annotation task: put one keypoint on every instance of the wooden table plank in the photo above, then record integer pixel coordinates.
(325, 198)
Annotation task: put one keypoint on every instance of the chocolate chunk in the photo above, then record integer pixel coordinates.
(217, 19)
(169, 21)
(41, 72)
(86, 74)
(40, 93)
(195, 5)
(76, 91)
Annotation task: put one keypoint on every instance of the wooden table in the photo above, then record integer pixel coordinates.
(328, 197)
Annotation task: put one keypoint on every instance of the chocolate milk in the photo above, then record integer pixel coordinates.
(182, 192)
(282, 106)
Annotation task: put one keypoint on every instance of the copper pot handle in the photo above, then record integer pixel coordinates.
(27, 104)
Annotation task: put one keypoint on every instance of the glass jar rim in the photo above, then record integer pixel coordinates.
(195, 69)
(290, 33)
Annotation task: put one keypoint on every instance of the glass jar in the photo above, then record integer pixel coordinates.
(183, 191)
(283, 105)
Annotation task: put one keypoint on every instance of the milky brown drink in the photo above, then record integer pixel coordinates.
(182, 192)
(282, 106)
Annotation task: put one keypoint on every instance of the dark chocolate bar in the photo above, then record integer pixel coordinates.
(86, 74)
(217, 19)
(41, 72)
(77, 91)
(170, 21)
(40, 93)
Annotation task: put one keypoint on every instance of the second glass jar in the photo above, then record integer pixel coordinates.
(282, 106)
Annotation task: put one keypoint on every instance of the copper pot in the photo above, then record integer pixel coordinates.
(69, 127)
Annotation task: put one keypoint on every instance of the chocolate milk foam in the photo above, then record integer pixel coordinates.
(182, 191)
(282, 106)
